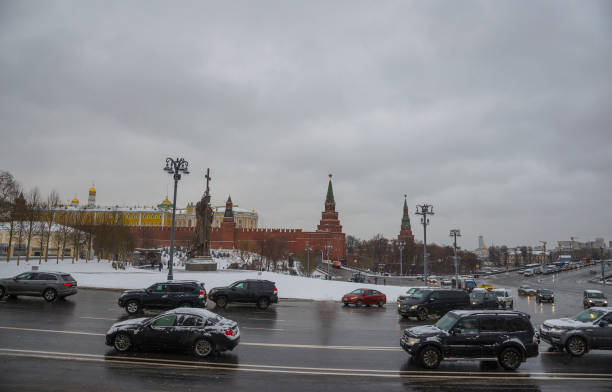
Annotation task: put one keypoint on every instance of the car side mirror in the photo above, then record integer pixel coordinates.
(455, 331)
(603, 323)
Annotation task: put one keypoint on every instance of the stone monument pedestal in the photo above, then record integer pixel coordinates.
(201, 263)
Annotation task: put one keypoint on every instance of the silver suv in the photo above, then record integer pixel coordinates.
(504, 297)
(49, 285)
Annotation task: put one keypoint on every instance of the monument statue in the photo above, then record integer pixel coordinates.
(204, 213)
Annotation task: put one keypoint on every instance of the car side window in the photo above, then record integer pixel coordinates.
(165, 321)
(190, 321)
(159, 287)
(175, 288)
(435, 295)
(467, 326)
(241, 286)
(488, 324)
(607, 317)
(24, 276)
(46, 277)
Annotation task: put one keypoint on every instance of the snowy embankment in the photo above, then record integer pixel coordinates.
(102, 275)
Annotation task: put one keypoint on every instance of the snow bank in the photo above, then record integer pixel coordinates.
(102, 275)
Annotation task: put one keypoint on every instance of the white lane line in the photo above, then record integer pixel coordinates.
(408, 372)
(323, 371)
(362, 348)
(98, 318)
(263, 319)
(263, 329)
(54, 331)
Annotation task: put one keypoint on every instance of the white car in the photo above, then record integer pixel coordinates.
(505, 298)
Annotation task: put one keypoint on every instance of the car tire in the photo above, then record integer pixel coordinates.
(576, 346)
(122, 342)
(263, 303)
(221, 302)
(2, 292)
(430, 357)
(510, 358)
(422, 314)
(381, 303)
(203, 348)
(50, 295)
(132, 307)
(358, 303)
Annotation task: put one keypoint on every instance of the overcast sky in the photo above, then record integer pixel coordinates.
(497, 113)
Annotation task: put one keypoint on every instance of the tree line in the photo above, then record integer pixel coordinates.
(28, 215)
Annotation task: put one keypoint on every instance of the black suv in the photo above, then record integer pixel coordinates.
(545, 295)
(260, 292)
(505, 335)
(424, 302)
(166, 295)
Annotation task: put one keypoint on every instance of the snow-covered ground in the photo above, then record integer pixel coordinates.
(102, 275)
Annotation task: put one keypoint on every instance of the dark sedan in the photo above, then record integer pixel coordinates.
(199, 330)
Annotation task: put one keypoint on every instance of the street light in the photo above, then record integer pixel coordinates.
(328, 247)
(424, 210)
(308, 252)
(174, 167)
(400, 245)
(456, 233)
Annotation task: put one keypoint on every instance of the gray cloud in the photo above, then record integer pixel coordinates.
(495, 112)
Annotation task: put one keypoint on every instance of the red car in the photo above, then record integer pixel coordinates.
(364, 297)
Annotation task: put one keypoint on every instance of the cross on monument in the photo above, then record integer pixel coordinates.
(208, 178)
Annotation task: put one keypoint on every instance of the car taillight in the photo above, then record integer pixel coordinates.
(229, 332)
(202, 293)
(67, 284)
(275, 290)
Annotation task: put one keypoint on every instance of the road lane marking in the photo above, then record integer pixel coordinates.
(98, 318)
(263, 329)
(307, 371)
(54, 331)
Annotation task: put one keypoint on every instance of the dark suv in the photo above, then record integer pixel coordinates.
(46, 284)
(588, 330)
(166, 295)
(260, 292)
(424, 302)
(505, 335)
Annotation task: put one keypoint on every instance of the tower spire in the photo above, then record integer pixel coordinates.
(330, 193)
(406, 216)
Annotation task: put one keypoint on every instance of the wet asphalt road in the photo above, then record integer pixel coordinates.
(295, 345)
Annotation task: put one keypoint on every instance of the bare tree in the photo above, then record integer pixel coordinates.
(32, 211)
(48, 220)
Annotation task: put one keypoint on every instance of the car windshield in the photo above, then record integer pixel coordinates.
(499, 293)
(588, 315)
(477, 295)
(546, 292)
(595, 295)
(358, 291)
(420, 294)
(446, 322)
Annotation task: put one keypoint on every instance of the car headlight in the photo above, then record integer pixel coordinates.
(412, 341)
(414, 306)
(605, 302)
(110, 330)
(399, 305)
(555, 330)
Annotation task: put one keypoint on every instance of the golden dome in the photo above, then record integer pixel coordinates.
(75, 200)
(166, 201)
(92, 189)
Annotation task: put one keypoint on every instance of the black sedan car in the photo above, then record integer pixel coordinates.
(199, 330)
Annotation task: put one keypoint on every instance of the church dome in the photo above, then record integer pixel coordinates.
(75, 200)
(92, 189)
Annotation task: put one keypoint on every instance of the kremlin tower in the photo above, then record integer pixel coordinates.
(91, 200)
(405, 230)
(329, 217)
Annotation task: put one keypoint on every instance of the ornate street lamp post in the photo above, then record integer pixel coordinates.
(308, 249)
(424, 210)
(328, 247)
(456, 233)
(174, 167)
(400, 245)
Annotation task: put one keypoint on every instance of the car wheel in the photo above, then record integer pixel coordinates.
(263, 303)
(576, 346)
(132, 307)
(430, 357)
(122, 342)
(358, 303)
(422, 314)
(381, 303)
(2, 292)
(50, 295)
(203, 348)
(221, 302)
(510, 358)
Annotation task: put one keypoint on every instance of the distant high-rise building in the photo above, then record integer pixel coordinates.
(481, 243)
